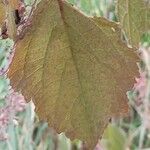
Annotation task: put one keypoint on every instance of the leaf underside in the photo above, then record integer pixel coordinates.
(76, 69)
(134, 16)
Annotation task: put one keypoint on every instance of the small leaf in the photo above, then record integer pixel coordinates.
(134, 16)
(8, 11)
(115, 138)
(14, 4)
(2, 13)
(75, 68)
(11, 26)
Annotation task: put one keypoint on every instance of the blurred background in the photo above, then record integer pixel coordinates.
(20, 128)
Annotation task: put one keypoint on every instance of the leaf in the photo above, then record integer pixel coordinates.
(75, 68)
(115, 138)
(9, 9)
(134, 16)
(14, 3)
(2, 13)
(64, 143)
(11, 26)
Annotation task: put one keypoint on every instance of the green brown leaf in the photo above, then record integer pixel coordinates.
(14, 3)
(115, 138)
(11, 25)
(8, 11)
(134, 16)
(75, 68)
(2, 13)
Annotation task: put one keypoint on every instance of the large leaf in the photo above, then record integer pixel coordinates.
(75, 68)
(134, 16)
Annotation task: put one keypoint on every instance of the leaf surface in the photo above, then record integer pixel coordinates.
(75, 68)
(8, 11)
(2, 13)
(14, 3)
(134, 16)
(11, 25)
(115, 138)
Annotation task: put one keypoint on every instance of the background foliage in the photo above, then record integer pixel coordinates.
(27, 133)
